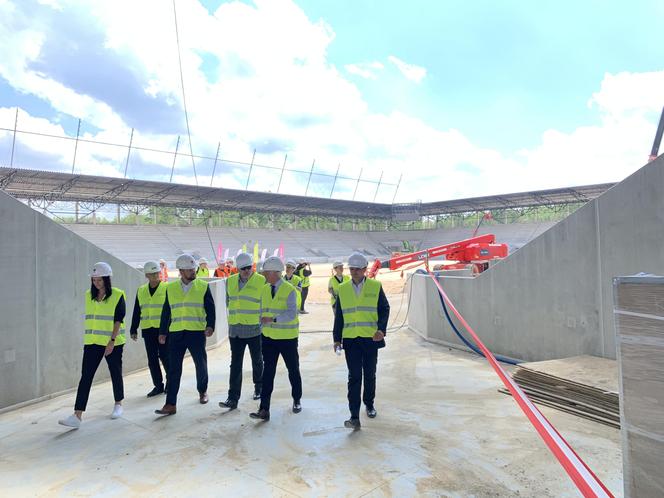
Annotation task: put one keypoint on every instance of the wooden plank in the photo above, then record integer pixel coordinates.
(585, 370)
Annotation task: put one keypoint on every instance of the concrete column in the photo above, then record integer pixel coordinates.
(76, 211)
(117, 217)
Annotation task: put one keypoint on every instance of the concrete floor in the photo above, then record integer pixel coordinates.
(442, 430)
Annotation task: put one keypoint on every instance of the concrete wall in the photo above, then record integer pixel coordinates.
(553, 297)
(44, 272)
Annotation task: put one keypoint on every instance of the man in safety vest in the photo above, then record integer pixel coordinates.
(187, 318)
(360, 321)
(203, 270)
(149, 301)
(243, 302)
(304, 272)
(280, 322)
(335, 281)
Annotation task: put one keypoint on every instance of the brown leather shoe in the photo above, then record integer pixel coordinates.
(166, 410)
(203, 398)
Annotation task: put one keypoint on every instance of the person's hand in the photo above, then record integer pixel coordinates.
(109, 348)
(337, 345)
(266, 319)
(134, 337)
(208, 331)
(379, 336)
(162, 338)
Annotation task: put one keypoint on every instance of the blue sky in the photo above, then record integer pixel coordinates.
(501, 72)
(462, 98)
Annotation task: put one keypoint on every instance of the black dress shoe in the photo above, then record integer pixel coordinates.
(352, 423)
(261, 415)
(156, 391)
(257, 395)
(371, 412)
(297, 407)
(229, 403)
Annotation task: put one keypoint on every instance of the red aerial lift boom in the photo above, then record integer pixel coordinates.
(477, 250)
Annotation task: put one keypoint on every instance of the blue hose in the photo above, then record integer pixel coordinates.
(469, 344)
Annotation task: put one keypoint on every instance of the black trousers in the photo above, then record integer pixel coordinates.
(178, 344)
(287, 348)
(305, 293)
(92, 356)
(361, 359)
(238, 345)
(156, 352)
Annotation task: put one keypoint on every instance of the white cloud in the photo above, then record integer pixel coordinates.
(275, 90)
(367, 70)
(410, 71)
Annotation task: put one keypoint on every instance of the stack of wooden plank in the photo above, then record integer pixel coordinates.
(586, 386)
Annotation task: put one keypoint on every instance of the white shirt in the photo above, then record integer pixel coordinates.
(358, 287)
(186, 287)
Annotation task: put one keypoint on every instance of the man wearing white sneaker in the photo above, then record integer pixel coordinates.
(105, 308)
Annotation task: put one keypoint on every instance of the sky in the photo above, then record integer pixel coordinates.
(456, 99)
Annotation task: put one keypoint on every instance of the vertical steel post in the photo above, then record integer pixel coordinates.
(251, 166)
(78, 132)
(175, 156)
(216, 158)
(282, 173)
(131, 140)
(306, 191)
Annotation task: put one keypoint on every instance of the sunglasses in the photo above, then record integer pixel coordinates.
(245, 268)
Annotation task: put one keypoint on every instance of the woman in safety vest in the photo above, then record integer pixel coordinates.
(104, 337)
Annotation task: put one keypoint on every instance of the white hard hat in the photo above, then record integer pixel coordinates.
(337, 263)
(185, 262)
(162, 261)
(229, 260)
(357, 260)
(302, 260)
(259, 265)
(202, 260)
(291, 262)
(101, 269)
(151, 267)
(273, 263)
(243, 260)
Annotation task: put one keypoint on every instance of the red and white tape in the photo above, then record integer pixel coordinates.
(584, 478)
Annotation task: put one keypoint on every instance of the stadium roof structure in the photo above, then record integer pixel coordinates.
(52, 186)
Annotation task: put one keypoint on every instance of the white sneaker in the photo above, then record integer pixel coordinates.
(117, 412)
(70, 421)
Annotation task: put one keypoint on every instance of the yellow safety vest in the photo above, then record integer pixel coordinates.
(276, 306)
(360, 312)
(99, 319)
(305, 280)
(202, 272)
(334, 283)
(295, 281)
(187, 310)
(244, 305)
(151, 305)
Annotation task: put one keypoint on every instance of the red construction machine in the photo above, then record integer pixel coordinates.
(477, 251)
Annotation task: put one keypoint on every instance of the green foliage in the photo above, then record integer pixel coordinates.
(278, 221)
